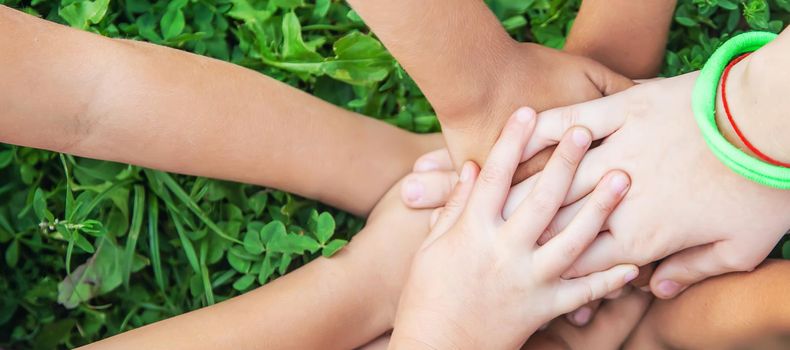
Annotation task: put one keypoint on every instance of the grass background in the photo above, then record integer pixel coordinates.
(91, 248)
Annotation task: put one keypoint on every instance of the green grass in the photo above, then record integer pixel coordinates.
(92, 248)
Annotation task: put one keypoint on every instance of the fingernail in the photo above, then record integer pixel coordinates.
(466, 172)
(619, 183)
(582, 316)
(424, 165)
(668, 288)
(580, 137)
(645, 288)
(631, 275)
(524, 115)
(414, 190)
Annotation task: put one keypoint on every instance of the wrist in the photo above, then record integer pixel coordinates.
(429, 330)
(754, 94)
(477, 92)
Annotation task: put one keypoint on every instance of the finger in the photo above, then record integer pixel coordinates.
(643, 281)
(595, 164)
(495, 180)
(456, 204)
(533, 165)
(607, 81)
(558, 254)
(579, 291)
(683, 269)
(432, 161)
(435, 216)
(560, 221)
(639, 248)
(540, 206)
(614, 321)
(602, 117)
(582, 316)
(618, 293)
(428, 189)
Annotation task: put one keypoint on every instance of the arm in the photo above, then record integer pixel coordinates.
(757, 102)
(474, 74)
(337, 303)
(627, 36)
(735, 309)
(732, 223)
(75, 92)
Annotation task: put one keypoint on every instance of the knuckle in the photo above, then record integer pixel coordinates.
(569, 117)
(572, 248)
(567, 159)
(735, 261)
(603, 205)
(543, 201)
(493, 173)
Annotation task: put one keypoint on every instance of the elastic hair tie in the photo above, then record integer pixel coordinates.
(704, 107)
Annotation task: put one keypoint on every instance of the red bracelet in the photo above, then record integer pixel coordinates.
(738, 131)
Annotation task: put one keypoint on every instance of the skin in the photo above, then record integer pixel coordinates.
(627, 36)
(88, 113)
(310, 308)
(470, 279)
(473, 104)
(736, 229)
(749, 309)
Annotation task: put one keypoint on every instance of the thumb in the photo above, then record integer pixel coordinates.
(456, 204)
(606, 80)
(692, 265)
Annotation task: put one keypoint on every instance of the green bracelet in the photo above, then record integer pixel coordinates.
(704, 106)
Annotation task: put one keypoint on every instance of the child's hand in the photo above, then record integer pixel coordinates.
(611, 328)
(685, 204)
(526, 74)
(482, 282)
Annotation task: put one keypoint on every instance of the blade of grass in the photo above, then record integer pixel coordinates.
(207, 289)
(153, 241)
(138, 211)
(179, 192)
(186, 244)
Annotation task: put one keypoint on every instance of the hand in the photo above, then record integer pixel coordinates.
(611, 328)
(684, 203)
(430, 185)
(527, 74)
(480, 281)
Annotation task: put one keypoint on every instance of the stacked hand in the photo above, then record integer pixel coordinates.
(684, 205)
(526, 74)
(480, 281)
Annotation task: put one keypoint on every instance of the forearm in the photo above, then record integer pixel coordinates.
(627, 36)
(451, 48)
(756, 94)
(337, 303)
(737, 308)
(76, 92)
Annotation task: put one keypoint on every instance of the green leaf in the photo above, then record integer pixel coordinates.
(252, 242)
(294, 48)
(757, 13)
(325, 227)
(322, 8)
(332, 248)
(12, 253)
(172, 23)
(271, 230)
(40, 205)
(293, 244)
(80, 14)
(5, 158)
(243, 283)
(359, 60)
